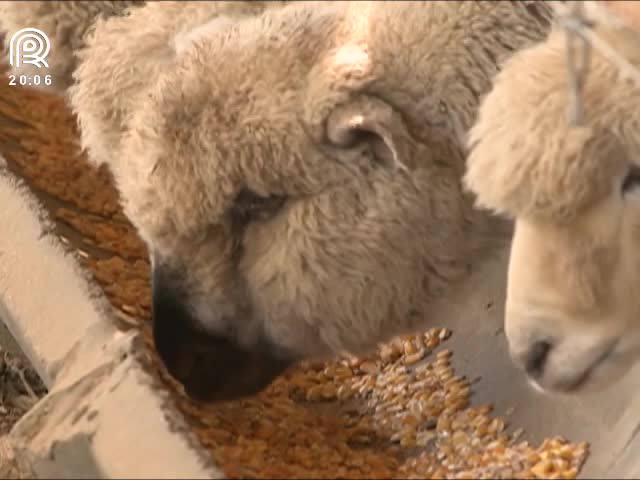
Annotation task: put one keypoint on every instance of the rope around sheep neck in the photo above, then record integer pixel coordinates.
(578, 62)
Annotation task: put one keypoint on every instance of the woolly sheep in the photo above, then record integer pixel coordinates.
(571, 310)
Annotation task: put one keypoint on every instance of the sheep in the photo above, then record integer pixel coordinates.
(295, 169)
(573, 190)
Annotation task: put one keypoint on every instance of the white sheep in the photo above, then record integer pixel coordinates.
(571, 313)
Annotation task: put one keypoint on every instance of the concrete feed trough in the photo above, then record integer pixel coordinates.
(106, 417)
(103, 417)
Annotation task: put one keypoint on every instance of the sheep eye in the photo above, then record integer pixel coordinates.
(249, 207)
(632, 180)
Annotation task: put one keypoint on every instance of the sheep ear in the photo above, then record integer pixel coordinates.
(369, 121)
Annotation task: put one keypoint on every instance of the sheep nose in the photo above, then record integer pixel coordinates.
(210, 367)
(535, 358)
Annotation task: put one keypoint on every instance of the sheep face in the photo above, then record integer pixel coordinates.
(572, 314)
(296, 175)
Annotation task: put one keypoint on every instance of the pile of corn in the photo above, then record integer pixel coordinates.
(401, 414)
